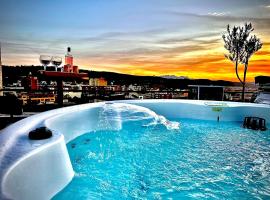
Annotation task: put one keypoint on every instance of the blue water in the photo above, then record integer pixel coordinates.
(201, 160)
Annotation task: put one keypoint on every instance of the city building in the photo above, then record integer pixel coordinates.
(114, 88)
(98, 82)
(134, 87)
(30, 82)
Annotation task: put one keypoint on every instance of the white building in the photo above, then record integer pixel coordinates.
(134, 87)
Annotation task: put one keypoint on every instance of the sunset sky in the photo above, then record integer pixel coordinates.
(142, 37)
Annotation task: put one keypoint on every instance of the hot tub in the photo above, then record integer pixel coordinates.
(39, 169)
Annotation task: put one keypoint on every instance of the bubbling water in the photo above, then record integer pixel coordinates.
(113, 115)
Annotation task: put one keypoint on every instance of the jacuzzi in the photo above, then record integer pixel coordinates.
(39, 169)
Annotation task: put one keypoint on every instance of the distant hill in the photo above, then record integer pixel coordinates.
(13, 73)
(126, 79)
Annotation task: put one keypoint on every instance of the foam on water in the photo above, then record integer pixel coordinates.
(113, 115)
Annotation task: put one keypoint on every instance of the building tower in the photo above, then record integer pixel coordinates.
(1, 76)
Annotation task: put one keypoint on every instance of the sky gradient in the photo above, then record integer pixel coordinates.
(142, 37)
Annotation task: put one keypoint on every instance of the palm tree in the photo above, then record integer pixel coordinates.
(240, 47)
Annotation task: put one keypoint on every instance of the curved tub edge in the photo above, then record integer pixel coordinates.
(44, 171)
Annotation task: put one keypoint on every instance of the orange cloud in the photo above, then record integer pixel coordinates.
(203, 64)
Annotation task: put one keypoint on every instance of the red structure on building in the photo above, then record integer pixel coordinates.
(30, 82)
(34, 83)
